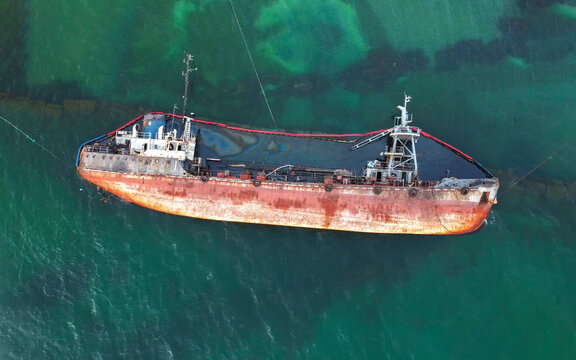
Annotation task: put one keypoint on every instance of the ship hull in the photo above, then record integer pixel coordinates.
(357, 208)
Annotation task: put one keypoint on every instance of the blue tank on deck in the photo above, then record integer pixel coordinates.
(152, 123)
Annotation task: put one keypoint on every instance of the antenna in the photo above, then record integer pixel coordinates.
(187, 60)
(404, 116)
(407, 99)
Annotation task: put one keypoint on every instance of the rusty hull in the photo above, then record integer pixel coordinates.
(347, 207)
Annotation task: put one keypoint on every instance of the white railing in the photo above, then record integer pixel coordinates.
(98, 148)
(140, 135)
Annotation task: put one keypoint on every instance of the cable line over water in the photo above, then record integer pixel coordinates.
(534, 169)
(30, 138)
(253, 65)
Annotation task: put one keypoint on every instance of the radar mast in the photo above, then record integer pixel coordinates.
(188, 59)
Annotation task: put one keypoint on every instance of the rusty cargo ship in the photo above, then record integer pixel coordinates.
(398, 180)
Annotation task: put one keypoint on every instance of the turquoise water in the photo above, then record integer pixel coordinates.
(87, 277)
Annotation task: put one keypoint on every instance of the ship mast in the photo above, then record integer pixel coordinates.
(401, 155)
(187, 60)
(404, 116)
(187, 126)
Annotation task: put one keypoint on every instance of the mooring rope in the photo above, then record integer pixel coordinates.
(531, 171)
(30, 138)
(253, 65)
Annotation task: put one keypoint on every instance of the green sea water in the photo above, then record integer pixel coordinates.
(83, 276)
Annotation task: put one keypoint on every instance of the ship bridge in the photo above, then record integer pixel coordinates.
(155, 141)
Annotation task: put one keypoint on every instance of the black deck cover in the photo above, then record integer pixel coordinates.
(229, 144)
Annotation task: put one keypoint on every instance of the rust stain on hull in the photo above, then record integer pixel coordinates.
(347, 207)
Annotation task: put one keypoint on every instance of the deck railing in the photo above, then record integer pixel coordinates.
(266, 171)
(103, 149)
